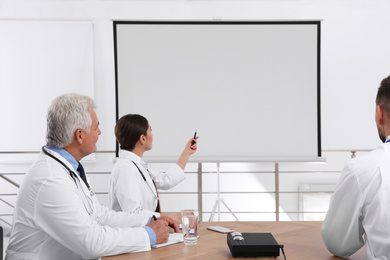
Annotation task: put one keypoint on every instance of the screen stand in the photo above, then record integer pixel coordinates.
(219, 200)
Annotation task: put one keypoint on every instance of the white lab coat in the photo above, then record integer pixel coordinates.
(130, 192)
(51, 219)
(360, 206)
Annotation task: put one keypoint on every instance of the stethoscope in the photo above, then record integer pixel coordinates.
(143, 176)
(76, 180)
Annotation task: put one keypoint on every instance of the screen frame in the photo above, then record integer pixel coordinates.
(317, 23)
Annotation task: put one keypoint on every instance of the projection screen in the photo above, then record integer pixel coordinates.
(251, 90)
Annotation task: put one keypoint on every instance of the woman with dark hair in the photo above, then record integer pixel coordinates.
(133, 186)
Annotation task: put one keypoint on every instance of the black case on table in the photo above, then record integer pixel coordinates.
(254, 245)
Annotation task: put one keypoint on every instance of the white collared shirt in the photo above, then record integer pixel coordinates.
(360, 206)
(130, 192)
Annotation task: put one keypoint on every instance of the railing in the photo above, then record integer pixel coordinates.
(198, 172)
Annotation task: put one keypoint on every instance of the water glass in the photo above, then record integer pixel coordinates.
(190, 226)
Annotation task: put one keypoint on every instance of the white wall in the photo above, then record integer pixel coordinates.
(355, 53)
(355, 57)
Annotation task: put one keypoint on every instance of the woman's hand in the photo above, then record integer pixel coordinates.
(190, 148)
(192, 145)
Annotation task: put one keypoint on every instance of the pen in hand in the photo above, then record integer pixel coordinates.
(193, 141)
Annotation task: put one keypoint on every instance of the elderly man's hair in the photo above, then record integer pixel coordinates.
(68, 113)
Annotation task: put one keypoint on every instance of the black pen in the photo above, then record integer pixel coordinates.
(154, 218)
(193, 141)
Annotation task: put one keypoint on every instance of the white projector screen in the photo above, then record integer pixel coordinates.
(250, 89)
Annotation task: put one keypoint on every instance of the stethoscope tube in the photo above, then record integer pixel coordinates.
(73, 175)
(143, 176)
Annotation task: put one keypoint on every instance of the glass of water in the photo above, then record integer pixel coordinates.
(190, 226)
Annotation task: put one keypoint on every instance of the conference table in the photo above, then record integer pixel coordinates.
(301, 240)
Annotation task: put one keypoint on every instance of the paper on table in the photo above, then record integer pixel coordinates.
(172, 239)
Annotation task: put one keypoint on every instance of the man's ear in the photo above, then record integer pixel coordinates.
(79, 136)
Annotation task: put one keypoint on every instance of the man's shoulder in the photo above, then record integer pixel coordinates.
(366, 165)
(45, 167)
(375, 156)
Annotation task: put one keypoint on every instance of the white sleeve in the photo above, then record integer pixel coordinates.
(60, 212)
(342, 230)
(127, 186)
(112, 218)
(169, 179)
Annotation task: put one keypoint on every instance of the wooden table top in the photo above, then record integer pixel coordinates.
(301, 240)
